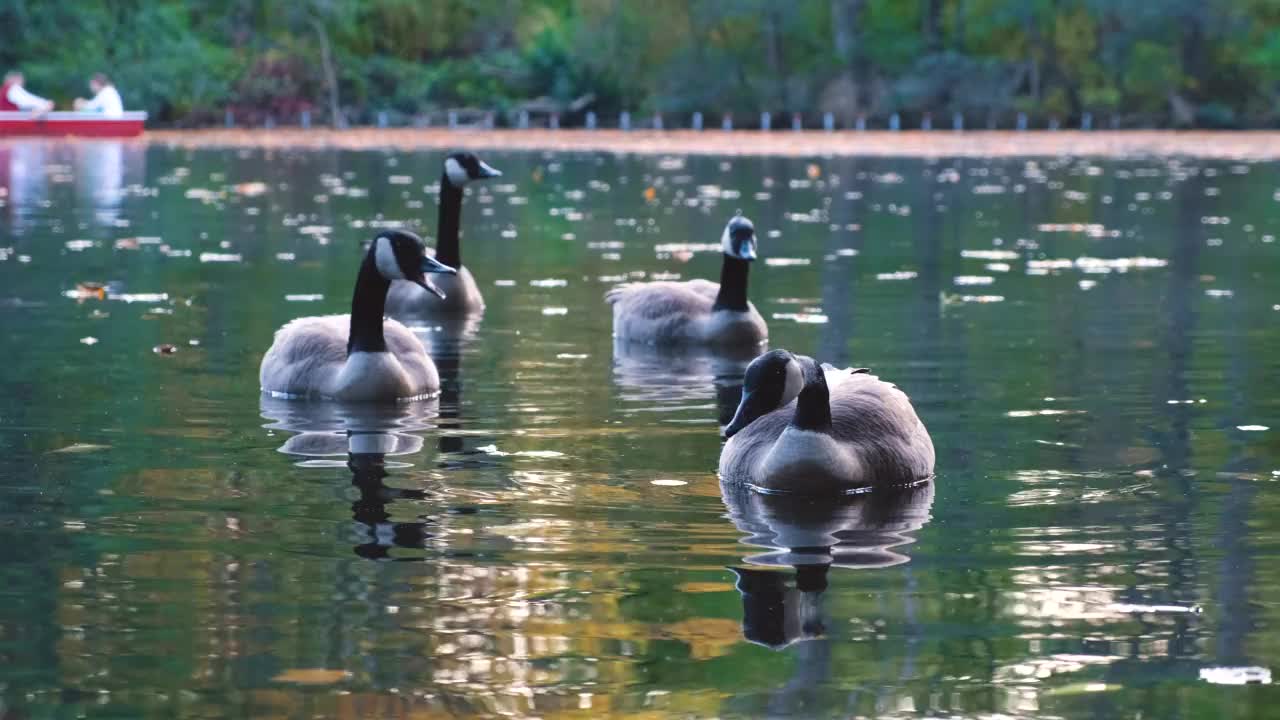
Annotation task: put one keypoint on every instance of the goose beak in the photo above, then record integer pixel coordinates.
(430, 287)
(744, 246)
(431, 265)
(488, 171)
(741, 418)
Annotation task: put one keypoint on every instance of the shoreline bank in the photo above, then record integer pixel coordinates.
(1243, 145)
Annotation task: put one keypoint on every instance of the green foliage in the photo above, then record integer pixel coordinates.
(1264, 56)
(1100, 97)
(1152, 74)
(185, 61)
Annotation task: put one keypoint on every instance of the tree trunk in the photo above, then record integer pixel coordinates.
(773, 51)
(330, 77)
(1034, 45)
(1193, 54)
(1181, 112)
(1050, 74)
(931, 25)
(846, 28)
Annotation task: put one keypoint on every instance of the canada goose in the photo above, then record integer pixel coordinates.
(695, 312)
(846, 430)
(361, 356)
(461, 294)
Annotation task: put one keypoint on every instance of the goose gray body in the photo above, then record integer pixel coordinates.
(309, 359)
(682, 313)
(695, 312)
(873, 437)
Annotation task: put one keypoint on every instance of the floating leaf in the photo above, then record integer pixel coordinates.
(311, 676)
(251, 189)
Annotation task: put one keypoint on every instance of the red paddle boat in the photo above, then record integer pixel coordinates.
(71, 124)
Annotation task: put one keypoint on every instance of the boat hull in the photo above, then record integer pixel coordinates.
(73, 124)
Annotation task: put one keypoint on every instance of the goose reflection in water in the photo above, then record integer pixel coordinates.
(672, 378)
(369, 437)
(811, 536)
(448, 339)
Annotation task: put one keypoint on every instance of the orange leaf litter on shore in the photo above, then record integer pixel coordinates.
(1259, 145)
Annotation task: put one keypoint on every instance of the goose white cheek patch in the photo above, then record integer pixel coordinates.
(385, 257)
(794, 382)
(742, 250)
(456, 173)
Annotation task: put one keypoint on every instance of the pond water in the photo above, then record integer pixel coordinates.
(1092, 343)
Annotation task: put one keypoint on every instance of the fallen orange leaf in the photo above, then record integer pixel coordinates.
(311, 676)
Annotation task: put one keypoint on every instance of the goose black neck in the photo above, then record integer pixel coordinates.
(812, 578)
(368, 304)
(813, 407)
(367, 472)
(733, 284)
(448, 250)
(370, 509)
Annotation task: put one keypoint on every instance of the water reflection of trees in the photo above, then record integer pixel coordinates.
(672, 378)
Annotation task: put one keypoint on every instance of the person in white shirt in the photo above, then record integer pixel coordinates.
(106, 99)
(15, 97)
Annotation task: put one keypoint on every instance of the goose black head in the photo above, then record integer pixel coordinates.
(771, 381)
(461, 168)
(739, 238)
(401, 255)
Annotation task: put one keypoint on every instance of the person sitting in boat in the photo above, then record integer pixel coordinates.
(14, 97)
(106, 99)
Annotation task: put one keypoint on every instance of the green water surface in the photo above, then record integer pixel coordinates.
(1093, 345)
